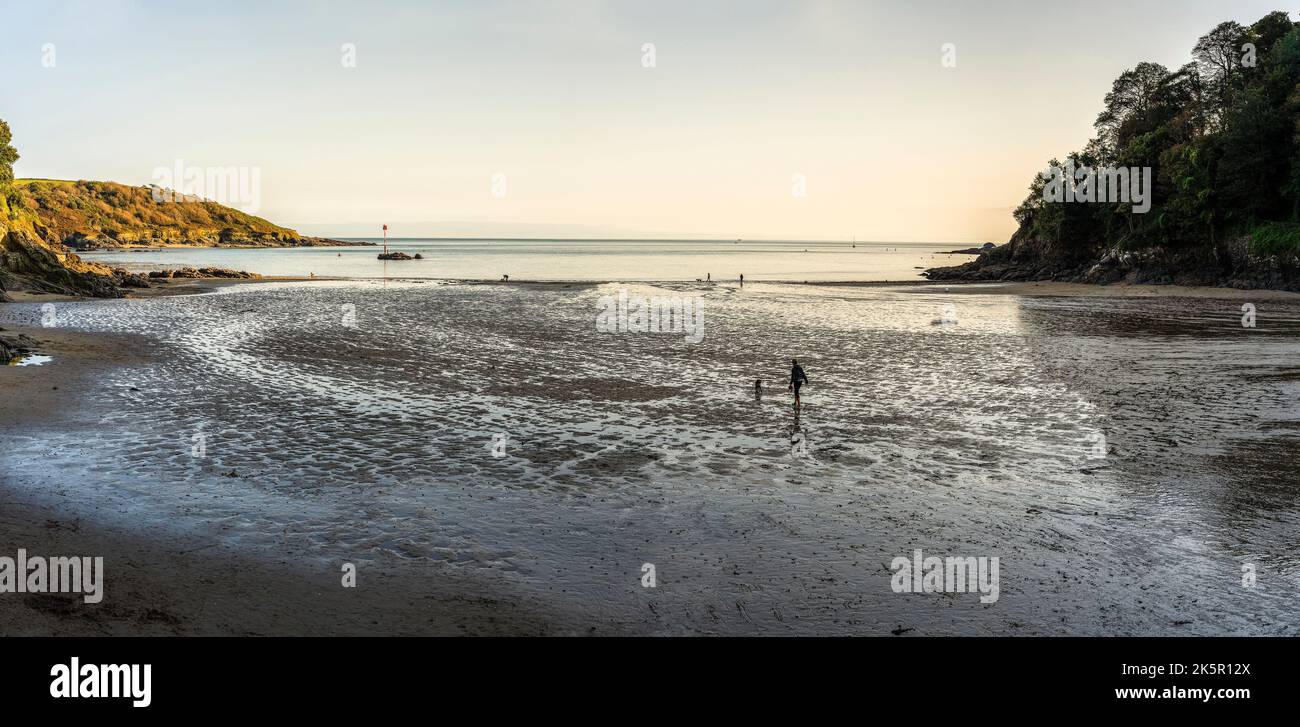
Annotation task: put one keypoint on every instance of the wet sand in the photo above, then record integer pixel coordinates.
(1071, 290)
(159, 288)
(1083, 290)
(370, 444)
(190, 585)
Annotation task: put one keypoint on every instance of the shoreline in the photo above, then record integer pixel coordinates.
(127, 247)
(1114, 290)
(198, 286)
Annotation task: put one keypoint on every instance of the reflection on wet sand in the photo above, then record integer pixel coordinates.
(1122, 458)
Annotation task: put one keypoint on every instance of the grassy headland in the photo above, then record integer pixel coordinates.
(89, 215)
(43, 220)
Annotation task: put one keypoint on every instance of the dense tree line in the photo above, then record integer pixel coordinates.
(1222, 136)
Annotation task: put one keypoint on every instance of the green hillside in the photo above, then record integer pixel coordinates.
(86, 214)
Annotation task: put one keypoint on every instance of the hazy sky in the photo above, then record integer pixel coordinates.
(555, 97)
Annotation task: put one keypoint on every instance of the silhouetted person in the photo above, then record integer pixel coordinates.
(797, 379)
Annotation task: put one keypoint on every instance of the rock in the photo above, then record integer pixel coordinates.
(228, 273)
(204, 273)
(131, 280)
(1229, 264)
(28, 262)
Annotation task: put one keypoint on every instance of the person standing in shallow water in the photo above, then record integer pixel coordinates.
(797, 379)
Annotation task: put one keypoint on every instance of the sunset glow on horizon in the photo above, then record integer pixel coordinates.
(761, 120)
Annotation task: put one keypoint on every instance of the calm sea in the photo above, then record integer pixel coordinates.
(602, 260)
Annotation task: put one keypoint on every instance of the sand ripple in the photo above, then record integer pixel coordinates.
(358, 421)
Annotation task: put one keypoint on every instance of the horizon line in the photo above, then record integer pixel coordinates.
(657, 239)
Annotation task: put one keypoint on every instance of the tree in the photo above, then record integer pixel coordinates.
(1130, 98)
(8, 155)
(1269, 30)
(1256, 147)
(1218, 54)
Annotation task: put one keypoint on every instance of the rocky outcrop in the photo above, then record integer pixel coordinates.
(1229, 265)
(973, 250)
(200, 273)
(12, 346)
(27, 262)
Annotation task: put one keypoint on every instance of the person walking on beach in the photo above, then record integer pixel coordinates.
(742, 280)
(797, 379)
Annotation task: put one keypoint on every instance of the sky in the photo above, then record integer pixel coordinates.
(811, 119)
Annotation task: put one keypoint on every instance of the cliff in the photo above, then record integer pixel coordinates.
(43, 221)
(27, 262)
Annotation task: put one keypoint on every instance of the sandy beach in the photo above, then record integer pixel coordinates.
(372, 444)
(190, 585)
